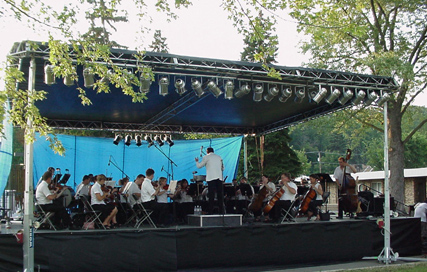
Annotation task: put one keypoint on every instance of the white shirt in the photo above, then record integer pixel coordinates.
(339, 173)
(271, 186)
(147, 190)
(96, 189)
(82, 189)
(288, 195)
(42, 192)
(184, 197)
(318, 196)
(214, 166)
(130, 190)
(420, 211)
(163, 198)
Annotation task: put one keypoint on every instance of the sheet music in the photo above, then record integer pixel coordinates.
(111, 183)
(172, 186)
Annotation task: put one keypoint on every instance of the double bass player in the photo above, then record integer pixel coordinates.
(339, 173)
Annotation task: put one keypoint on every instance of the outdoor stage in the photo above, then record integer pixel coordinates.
(189, 248)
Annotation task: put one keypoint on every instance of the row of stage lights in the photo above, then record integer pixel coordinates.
(273, 90)
(150, 140)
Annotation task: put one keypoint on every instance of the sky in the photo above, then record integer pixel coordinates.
(202, 30)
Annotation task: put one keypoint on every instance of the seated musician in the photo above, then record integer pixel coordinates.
(83, 187)
(315, 203)
(98, 195)
(288, 196)
(148, 196)
(162, 200)
(244, 194)
(45, 199)
(184, 199)
(271, 188)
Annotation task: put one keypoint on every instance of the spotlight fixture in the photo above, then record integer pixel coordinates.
(68, 79)
(360, 95)
(180, 86)
(346, 95)
(138, 140)
(197, 87)
(229, 89)
(372, 96)
(88, 77)
(333, 96)
(214, 89)
(159, 140)
(286, 94)
(106, 79)
(128, 139)
(299, 94)
(243, 90)
(117, 139)
(320, 95)
(145, 81)
(383, 99)
(49, 75)
(258, 90)
(271, 93)
(168, 139)
(163, 86)
(149, 140)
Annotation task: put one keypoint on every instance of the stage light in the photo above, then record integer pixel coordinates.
(180, 86)
(360, 95)
(243, 90)
(383, 99)
(346, 95)
(320, 95)
(214, 89)
(168, 139)
(299, 94)
(68, 79)
(49, 75)
(229, 89)
(163, 86)
(106, 79)
(197, 87)
(117, 139)
(258, 90)
(159, 140)
(128, 139)
(145, 81)
(88, 78)
(372, 96)
(138, 140)
(286, 94)
(149, 140)
(271, 93)
(333, 96)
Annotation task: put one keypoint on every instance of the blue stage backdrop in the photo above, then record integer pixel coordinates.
(5, 152)
(90, 155)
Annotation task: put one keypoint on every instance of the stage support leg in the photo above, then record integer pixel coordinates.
(245, 157)
(28, 246)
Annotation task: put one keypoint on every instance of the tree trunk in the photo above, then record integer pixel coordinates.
(396, 152)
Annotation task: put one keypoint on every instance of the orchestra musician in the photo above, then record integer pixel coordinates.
(83, 187)
(162, 200)
(285, 201)
(45, 199)
(184, 200)
(214, 167)
(148, 196)
(271, 188)
(315, 203)
(244, 194)
(343, 167)
(50, 169)
(99, 193)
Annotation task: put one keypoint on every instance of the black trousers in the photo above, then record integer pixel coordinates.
(215, 186)
(61, 214)
(281, 204)
(160, 212)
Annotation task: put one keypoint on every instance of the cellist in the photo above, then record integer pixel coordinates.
(286, 199)
(317, 187)
(265, 182)
(344, 167)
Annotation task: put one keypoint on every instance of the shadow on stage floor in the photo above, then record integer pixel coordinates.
(184, 248)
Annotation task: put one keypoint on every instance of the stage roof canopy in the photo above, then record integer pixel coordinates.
(269, 105)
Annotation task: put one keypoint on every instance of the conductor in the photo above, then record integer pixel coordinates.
(214, 167)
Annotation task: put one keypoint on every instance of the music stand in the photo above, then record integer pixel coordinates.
(56, 178)
(65, 178)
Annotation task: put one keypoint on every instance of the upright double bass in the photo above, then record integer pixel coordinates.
(348, 192)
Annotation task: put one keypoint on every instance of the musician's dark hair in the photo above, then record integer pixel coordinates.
(288, 175)
(162, 179)
(85, 177)
(210, 150)
(51, 169)
(314, 176)
(243, 178)
(47, 175)
(149, 172)
(140, 176)
(265, 175)
(341, 158)
(184, 180)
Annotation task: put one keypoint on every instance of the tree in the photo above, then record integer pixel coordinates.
(159, 43)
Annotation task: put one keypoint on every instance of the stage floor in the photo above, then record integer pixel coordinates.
(189, 248)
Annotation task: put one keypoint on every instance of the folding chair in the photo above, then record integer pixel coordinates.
(144, 215)
(92, 216)
(130, 203)
(44, 217)
(290, 214)
(325, 198)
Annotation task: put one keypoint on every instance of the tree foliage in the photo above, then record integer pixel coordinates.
(159, 43)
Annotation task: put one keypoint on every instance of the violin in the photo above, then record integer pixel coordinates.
(166, 187)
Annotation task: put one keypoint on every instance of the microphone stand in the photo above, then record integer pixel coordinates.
(167, 157)
(115, 165)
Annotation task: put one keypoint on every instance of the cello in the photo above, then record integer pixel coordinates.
(348, 193)
(277, 195)
(256, 203)
(309, 196)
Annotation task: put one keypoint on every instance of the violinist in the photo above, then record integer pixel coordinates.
(244, 194)
(288, 196)
(312, 208)
(185, 201)
(271, 188)
(98, 195)
(148, 196)
(343, 167)
(162, 200)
